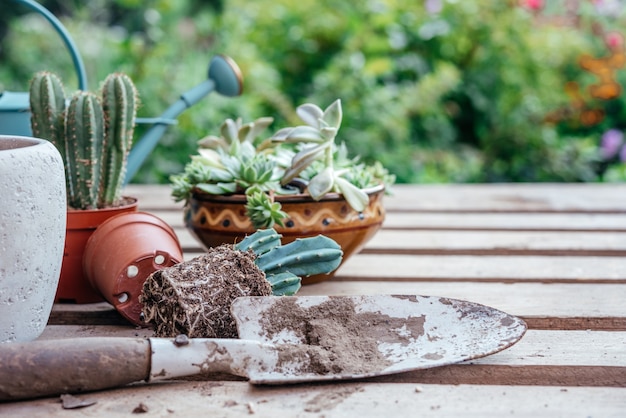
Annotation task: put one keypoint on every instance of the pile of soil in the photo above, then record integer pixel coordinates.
(194, 297)
(334, 337)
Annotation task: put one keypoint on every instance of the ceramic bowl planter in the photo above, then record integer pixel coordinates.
(218, 219)
(74, 287)
(32, 232)
(123, 252)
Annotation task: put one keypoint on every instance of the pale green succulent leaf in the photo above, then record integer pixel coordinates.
(212, 142)
(243, 133)
(329, 132)
(356, 198)
(301, 133)
(218, 188)
(301, 161)
(229, 130)
(333, 114)
(321, 184)
(259, 126)
(208, 157)
(310, 114)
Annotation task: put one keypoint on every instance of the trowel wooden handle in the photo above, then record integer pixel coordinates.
(54, 367)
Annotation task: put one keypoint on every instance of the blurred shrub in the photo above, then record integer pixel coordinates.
(438, 91)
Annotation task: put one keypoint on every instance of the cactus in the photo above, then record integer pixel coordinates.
(260, 242)
(84, 133)
(119, 98)
(47, 103)
(285, 265)
(93, 134)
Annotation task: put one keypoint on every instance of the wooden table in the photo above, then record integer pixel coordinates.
(552, 254)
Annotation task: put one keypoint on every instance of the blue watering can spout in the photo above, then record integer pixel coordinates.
(224, 77)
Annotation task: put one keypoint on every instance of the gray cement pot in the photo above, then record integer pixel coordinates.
(33, 213)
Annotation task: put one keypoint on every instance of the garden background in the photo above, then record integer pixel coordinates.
(437, 90)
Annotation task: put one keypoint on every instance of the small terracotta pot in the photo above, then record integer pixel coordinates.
(215, 219)
(123, 252)
(73, 284)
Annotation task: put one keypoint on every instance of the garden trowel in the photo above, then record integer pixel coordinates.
(282, 340)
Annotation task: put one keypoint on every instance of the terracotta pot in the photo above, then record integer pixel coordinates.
(214, 220)
(73, 284)
(32, 233)
(121, 254)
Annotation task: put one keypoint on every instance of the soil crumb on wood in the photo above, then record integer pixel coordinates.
(335, 339)
(194, 297)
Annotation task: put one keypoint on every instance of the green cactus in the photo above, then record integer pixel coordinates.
(84, 134)
(47, 103)
(119, 98)
(285, 265)
(93, 134)
(262, 241)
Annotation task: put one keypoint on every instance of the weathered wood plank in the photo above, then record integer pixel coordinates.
(542, 306)
(588, 222)
(571, 358)
(536, 348)
(518, 197)
(506, 269)
(480, 243)
(349, 399)
(498, 243)
(487, 221)
(486, 268)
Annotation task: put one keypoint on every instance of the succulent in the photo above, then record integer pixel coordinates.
(285, 265)
(293, 160)
(92, 132)
(194, 297)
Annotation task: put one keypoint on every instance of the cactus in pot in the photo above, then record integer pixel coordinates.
(92, 132)
(194, 297)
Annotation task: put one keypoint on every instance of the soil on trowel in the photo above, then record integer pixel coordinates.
(335, 339)
(194, 297)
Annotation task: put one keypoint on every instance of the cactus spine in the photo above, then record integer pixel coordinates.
(93, 134)
(284, 265)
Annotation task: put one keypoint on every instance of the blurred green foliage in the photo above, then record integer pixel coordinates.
(437, 90)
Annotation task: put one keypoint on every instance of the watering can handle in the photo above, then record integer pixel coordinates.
(78, 62)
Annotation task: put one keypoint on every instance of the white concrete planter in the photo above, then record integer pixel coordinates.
(33, 213)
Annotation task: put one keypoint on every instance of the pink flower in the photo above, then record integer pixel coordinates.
(611, 143)
(614, 40)
(532, 4)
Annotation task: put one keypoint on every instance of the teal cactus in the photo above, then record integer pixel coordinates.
(93, 133)
(285, 265)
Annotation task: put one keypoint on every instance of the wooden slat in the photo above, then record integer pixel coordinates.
(479, 243)
(537, 198)
(351, 399)
(519, 197)
(542, 306)
(498, 243)
(506, 269)
(557, 221)
(598, 223)
(539, 357)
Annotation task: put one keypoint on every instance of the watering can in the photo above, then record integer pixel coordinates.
(224, 77)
